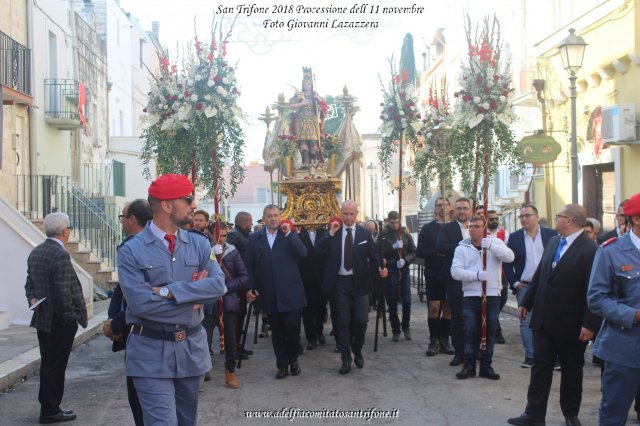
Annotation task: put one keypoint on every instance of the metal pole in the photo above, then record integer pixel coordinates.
(371, 217)
(574, 143)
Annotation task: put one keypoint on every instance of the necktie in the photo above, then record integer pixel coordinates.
(172, 242)
(348, 248)
(556, 255)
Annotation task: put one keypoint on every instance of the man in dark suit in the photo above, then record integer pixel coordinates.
(273, 254)
(527, 244)
(52, 282)
(311, 270)
(448, 239)
(562, 323)
(620, 228)
(351, 259)
(134, 218)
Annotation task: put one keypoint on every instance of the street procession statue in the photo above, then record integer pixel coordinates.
(307, 120)
(311, 163)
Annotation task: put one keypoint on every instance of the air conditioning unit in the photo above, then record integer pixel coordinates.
(618, 124)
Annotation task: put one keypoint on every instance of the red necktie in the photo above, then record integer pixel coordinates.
(172, 242)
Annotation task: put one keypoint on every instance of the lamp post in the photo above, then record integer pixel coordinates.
(572, 53)
(371, 171)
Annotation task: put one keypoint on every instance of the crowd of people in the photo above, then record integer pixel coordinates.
(182, 275)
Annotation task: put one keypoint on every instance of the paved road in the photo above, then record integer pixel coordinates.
(399, 377)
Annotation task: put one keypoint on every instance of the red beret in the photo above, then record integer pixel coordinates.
(170, 187)
(632, 207)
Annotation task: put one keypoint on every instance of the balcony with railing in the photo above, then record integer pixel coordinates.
(61, 103)
(15, 70)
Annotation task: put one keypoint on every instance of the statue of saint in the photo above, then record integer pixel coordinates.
(307, 119)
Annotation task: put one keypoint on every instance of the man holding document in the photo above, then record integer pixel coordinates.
(55, 296)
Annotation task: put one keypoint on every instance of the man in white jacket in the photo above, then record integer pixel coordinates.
(467, 267)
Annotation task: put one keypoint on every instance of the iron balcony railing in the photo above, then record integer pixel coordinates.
(103, 179)
(15, 65)
(61, 99)
(39, 195)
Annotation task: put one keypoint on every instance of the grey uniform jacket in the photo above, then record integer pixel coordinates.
(145, 262)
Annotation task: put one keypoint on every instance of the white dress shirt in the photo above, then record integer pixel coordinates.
(570, 239)
(533, 249)
(465, 230)
(271, 237)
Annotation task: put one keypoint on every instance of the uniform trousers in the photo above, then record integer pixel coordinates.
(169, 402)
(454, 299)
(352, 316)
(285, 336)
(619, 387)
(55, 347)
(546, 349)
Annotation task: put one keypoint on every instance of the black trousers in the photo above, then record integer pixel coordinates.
(454, 299)
(545, 350)
(55, 348)
(285, 336)
(313, 314)
(229, 320)
(352, 313)
(504, 294)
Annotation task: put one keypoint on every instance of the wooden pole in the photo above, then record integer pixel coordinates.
(216, 234)
(485, 204)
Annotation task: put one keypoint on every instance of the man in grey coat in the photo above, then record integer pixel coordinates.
(54, 293)
(166, 275)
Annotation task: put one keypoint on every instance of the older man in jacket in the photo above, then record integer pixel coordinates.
(54, 293)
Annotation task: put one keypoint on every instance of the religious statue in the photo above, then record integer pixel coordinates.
(307, 119)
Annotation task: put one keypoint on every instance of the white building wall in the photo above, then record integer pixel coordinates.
(119, 70)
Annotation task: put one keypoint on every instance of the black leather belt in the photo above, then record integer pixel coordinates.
(177, 335)
(524, 282)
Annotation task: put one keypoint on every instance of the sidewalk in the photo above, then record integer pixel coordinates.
(20, 354)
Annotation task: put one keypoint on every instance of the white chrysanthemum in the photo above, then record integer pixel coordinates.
(210, 83)
(207, 97)
(476, 100)
(194, 98)
(198, 77)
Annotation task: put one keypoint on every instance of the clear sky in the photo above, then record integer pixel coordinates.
(270, 60)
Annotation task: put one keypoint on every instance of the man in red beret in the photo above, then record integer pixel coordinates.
(166, 275)
(614, 294)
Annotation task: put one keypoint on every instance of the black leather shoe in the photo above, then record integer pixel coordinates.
(247, 352)
(572, 421)
(467, 372)
(358, 360)
(346, 368)
(282, 373)
(500, 338)
(295, 368)
(488, 373)
(525, 420)
(445, 347)
(321, 339)
(62, 416)
(312, 345)
(457, 360)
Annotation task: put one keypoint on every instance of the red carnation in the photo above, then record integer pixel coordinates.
(144, 110)
(479, 80)
(396, 118)
(199, 106)
(487, 89)
(187, 94)
(217, 79)
(496, 77)
(493, 104)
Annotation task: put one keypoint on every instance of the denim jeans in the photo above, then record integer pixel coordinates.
(472, 315)
(525, 330)
(392, 299)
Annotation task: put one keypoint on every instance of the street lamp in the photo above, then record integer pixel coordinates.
(371, 171)
(572, 53)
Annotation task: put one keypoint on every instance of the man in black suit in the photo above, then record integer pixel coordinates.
(527, 244)
(52, 282)
(562, 323)
(311, 271)
(351, 258)
(620, 228)
(448, 239)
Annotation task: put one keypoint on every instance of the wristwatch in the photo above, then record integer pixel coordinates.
(164, 292)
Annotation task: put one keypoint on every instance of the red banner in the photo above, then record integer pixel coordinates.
(597, 133)
(82, 99)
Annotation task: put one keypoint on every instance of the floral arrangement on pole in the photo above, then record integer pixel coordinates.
(286, 145)
(432, 157)
(195, 108)
(482, 113)
(400, 118)
(331, 146)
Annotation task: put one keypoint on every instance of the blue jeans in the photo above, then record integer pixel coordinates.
(525, 330)
(472, 316)
(392, 299)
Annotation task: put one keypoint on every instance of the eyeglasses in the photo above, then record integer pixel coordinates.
(475, 226)
(439, 205)
(122, 216)
(563, 216)
(188, 199)
(527, 215)
(70, 228)
(462, 209)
